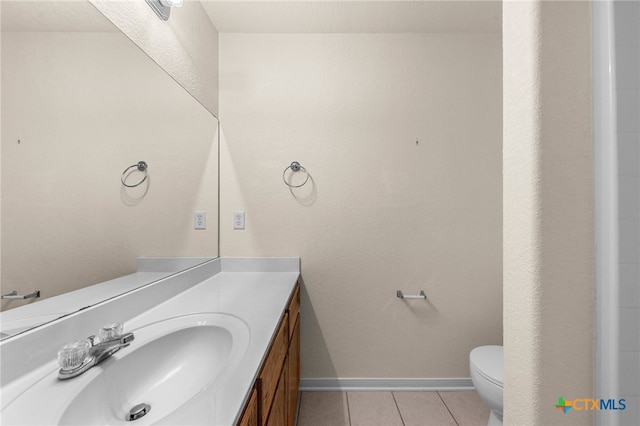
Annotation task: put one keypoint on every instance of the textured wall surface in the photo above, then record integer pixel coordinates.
(401, 135)
(548, 211)
(186, 45)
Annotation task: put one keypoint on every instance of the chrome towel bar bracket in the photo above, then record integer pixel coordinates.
(14, 295)
(411, 296)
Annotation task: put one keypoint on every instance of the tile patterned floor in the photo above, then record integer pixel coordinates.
(455, 408)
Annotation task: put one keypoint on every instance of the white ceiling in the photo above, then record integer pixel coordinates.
(284, 16)
(355, 16)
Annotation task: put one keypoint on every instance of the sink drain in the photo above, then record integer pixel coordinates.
(138, 411)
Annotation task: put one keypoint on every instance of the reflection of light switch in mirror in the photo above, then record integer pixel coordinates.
(238, 220)
(199, 220)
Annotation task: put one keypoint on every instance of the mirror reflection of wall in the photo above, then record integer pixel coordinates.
(78, 107)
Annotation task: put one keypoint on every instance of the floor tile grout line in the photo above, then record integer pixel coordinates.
(445, 404)
(393, 395)
(348, 408)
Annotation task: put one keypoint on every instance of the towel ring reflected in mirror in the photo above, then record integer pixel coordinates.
(142, 167)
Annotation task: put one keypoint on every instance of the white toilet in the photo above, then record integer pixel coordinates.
(485, 363)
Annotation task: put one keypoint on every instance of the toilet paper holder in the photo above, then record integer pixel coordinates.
(400, 295)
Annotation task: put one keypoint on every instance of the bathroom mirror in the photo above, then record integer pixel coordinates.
(81, 103)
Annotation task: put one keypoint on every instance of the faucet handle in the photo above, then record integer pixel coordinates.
(72, 355)
(110, 331)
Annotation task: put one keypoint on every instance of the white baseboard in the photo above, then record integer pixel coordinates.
(384, 384)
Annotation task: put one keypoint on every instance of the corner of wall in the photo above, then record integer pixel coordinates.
(548, 211)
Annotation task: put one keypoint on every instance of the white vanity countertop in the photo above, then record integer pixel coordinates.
(255, 290)
(257, 298)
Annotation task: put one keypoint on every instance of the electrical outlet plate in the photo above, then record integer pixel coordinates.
(199, 220)
(238, 220)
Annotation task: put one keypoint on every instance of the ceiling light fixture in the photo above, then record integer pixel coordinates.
(162, 8)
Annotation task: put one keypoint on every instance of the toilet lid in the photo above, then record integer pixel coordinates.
(488, 361)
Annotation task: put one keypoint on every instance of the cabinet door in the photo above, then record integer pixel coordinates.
(278, 414)
(272, 368)
(294, 308)
(250, 415)
(293, 379)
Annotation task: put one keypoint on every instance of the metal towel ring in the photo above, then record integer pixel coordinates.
(295, 167)
(142, 166)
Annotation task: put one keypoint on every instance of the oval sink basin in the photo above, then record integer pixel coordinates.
(170, 366)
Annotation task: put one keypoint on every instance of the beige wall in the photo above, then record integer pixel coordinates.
(185, 45)
(85, 106)
(402, 137)
(548, 211)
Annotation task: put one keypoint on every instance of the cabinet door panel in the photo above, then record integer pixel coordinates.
(273, 367)
(293, 379)
(294, 309)
(278, 414)
(250, 415)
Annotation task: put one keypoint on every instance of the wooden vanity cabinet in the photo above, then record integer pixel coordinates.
(250, 414)
(278, 413)
(274, 397)
(293, 361)
(269, 377)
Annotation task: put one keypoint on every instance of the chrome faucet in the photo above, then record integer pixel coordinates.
(77, 357)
